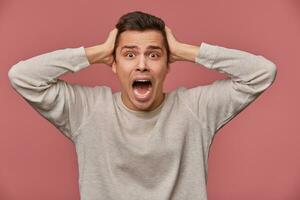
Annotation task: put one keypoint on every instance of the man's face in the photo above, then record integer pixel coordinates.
(141, 66)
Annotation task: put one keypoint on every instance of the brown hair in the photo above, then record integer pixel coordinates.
(141, 21)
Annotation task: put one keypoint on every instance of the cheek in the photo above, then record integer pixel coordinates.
(160, 73)
(123, 74)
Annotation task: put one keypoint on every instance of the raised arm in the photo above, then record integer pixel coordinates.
(216, 104)
(249, 75)
(63, 104)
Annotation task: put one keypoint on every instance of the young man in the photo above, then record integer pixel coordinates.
(141, 143)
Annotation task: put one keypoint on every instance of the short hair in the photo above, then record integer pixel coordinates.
(140, 21)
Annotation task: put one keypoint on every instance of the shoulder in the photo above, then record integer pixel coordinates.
(192, 97)
(87, 93)
(186, 95)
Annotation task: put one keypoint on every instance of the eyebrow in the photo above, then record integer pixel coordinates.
(136, 47)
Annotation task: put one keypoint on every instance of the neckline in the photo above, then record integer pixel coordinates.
(141, 113)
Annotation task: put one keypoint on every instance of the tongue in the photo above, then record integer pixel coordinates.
(142, 89)
(142, 92)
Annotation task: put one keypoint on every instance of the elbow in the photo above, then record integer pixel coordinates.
(258, 80)
(271, 71)
(265, 77)
(13, 74)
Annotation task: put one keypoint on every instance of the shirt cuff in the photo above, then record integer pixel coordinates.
(206, 55)
(79, 59)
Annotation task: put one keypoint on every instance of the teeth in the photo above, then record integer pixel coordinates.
(143, 80)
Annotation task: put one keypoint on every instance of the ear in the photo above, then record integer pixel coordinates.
(168, 68)
(114, 67)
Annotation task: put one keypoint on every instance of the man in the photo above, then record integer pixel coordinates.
(141, 143)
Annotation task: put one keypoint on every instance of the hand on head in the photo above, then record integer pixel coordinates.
(109, 46)
(110, 42)
(173, 44)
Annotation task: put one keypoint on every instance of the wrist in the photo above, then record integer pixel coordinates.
(95, 54)
(186, 52)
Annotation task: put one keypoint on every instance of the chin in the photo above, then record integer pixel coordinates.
(142, 106)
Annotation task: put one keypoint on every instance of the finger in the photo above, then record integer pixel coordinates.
(168, 30)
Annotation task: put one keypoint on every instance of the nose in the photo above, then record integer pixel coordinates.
(142, 65)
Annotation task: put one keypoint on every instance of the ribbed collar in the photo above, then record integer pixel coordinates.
(143, 114)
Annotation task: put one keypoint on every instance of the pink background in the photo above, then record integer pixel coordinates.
(255, 156)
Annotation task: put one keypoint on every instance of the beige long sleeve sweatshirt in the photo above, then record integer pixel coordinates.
(134, 155)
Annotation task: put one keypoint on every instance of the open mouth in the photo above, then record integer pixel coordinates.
(142, 89)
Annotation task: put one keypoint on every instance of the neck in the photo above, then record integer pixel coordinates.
(157, 102)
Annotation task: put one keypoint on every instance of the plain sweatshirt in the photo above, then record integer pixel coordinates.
(137, 155)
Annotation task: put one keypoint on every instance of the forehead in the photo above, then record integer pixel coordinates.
(141, 39)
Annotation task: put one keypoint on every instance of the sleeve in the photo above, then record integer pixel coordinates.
(65, 105)
(248, 76)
